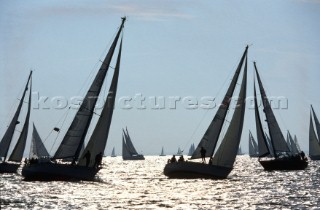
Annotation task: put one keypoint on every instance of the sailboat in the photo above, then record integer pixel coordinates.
(314, 131)
(240, 151)
(113, 153)
(191, 150)
(37, 149)
(223, 159)
(162, 152)
(180, 152)
(282, 159)
(253, 146)
(128, 150)
(12, 164)
(83, 166)
(292, 144)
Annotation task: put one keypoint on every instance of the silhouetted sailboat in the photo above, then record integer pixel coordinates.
(113, 153)
(240, 151)
(162, 152)
(83, 160)
(129, 152)
(253, 146)
(283, 158)
(314, 131)
(12, 164)
(224, 157)
(37, 149)
(191, 150)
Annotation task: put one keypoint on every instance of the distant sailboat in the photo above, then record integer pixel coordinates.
(129, 152)
(283, 159)
(113, 153)
(17, 154)
(253, 146)
(292, 144)
(191, 150)
(240, 151)
(83, 165)
(180, 152)
(162, 152)
(224, 157)
(38, 150)
(314, 131)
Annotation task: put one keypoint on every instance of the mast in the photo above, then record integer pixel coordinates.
(7, 138)
(74, 138)
(211, 136)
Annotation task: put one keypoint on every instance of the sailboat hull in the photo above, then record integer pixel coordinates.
(192, 170)
(134, 157)
(58, 172)
(314, 157)
(284, 164)
(9, 167)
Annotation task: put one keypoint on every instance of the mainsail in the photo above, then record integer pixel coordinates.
(17, 154)
(74, 138)
(37, 147)
(227, 151)
(277, 140)
(211, 136)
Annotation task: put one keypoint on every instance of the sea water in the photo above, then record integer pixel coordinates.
(142, 185)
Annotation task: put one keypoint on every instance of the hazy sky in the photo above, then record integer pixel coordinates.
(186, 50)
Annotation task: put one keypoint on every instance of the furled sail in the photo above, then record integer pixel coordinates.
(37, 147)
(314, 145)
(211, 136)
(74, 138)
(7, 138)
(278, 142)
(98, 140)
(227, 151)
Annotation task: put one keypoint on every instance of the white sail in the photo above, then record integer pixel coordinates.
(74, 138)
(98, 139)
(314, 145)
(7, 138)
(211, 136)
(227, 151)
(278, 142)
(37, 147)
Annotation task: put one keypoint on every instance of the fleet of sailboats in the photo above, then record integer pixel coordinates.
(129, 152)
(82, 165)
(11, 164)
(223, 159)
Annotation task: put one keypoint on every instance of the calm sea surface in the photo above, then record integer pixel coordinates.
(141, 185)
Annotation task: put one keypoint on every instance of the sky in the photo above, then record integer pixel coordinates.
(186, 50)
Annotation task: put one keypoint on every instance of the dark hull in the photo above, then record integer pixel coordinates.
(58, 172)
(9, 167)
(314, 157)
(192, 170)
(284, 164)
(135, 157)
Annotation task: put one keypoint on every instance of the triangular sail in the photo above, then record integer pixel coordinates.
(74, 138)
(7, 138)
(98, 140)
(227, 151)
(129, 143)
(37, 147)
(253, 146)
(17, 153)
(293, 145)
(277, 140)
(316, 122)
(314, 145)
(211, 136)
(297, 144)
(125, 151)
(162, 152)
(113, 153)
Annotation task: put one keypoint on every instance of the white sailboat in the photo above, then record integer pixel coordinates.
(224, 158)
(253, 146)
(83, 166)
(11, 164)
(129, 152)
(162, 152)
(282, 159)
(113, 153)
(314, 133)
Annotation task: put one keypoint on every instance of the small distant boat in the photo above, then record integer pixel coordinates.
(129, 152)
(283, 159)
(240, 151)
(253, 146)
(191, 150)
(113, 153)
(82, 161)
(162, 152)
(180, 152)
(314, 144)
(223, 159)
(12, 164)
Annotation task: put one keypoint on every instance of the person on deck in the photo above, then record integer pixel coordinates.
(87, 157)
(173, 159)
(98, 160)
(203, 154)
(181, 159)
